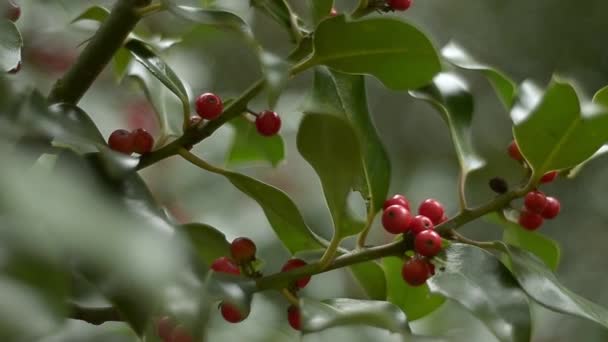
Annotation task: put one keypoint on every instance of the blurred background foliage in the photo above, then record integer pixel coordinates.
(525, 39)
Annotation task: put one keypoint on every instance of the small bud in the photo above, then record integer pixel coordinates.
(499, 185)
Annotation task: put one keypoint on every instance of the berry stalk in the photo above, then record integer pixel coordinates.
(197, 134)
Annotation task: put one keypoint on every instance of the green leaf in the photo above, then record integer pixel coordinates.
(416, 302)
(600, 98)
(543, 247)
(208, 242)
(320, 10)
(301, 51)
(121, 62)
(127, 187)
(281, 212)
(370, 276)
(573, 172)
(215, 18)
(542, 286)
(25, 315)
(113, 231)
(45, 278)
(10, 45)
(276, 72)
(114, 165)
(556, 133)
(275, 69)
(155, 93)
(148, 58)
(397, 53)
(99, 14)
(318, 316)
(115, 173)
(249, 146)
(278, 10)
(66, 124)
(505, 88)
(95, 13)
(481, 283)
(80, 122)
(344, 95)
(331, 147)
(449, 94)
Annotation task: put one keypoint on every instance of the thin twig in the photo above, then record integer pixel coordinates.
(98, 53)
(481, 244)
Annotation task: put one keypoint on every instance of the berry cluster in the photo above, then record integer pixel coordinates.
(537, 206)
(240, 262)
(209, 106)
(397, 219)
(136, 141)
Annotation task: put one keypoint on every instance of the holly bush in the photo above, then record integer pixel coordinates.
(97, 242)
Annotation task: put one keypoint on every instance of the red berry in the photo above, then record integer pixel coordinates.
(295, 263)
(231, 313)
(530, 220)
(514, 151)
(548, 177)
(415, 271)
(397, 200)
(209, 106)
(400, 5)
(427, 243)
(396, 219)
(225, 265)
(552, 208)
(420, 223)
(164, 327)
(432, 209)
(333, 12)
(12, 11)
(268, 123)
(294, 317)
(142, 141)
(194, 120)
(121, 141)
(242, 250)
(180, 335)
(535, 201)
